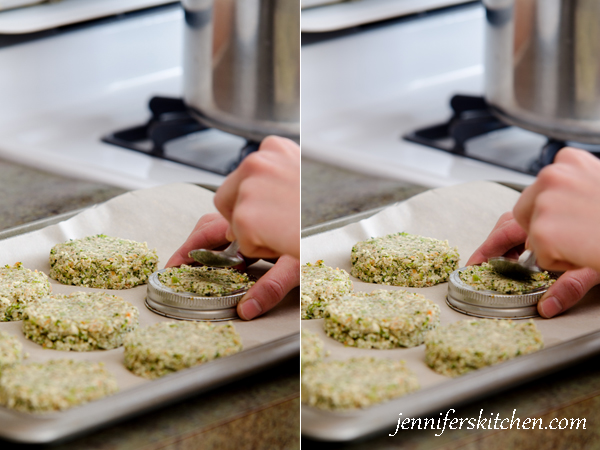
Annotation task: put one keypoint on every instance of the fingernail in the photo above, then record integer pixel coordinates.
(551, 307)
(250, 309)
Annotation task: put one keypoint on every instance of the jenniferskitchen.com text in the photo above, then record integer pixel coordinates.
(485, 422)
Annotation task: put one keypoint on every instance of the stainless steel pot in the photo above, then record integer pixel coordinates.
(542, 66)
(242, 65)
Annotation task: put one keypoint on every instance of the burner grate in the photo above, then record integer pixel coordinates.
(174, 135)
(471, 121)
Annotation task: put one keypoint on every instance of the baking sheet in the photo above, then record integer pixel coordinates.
(464, 215)
(163, 217)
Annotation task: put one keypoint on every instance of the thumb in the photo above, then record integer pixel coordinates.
(570, 287)
(270, 289)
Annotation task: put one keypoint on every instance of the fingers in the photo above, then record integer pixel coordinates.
(574, 156)
(505, 235)
(557, 175)
(209, 233)
(567, 291)
(270, 289)
(227, 194)
(524, 207)
(261, 200)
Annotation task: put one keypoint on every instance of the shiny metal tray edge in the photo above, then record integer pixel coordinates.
(349, 426)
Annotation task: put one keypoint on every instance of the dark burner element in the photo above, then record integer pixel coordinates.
(472, 118)
(173, 134)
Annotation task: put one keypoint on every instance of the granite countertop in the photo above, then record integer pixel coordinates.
(261, 411)
(329, 193)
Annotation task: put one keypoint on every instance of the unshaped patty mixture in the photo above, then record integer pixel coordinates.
(404, 259)
(356, 383)
(320, 284)
(484, 277)
(102, 262)
(167, 347)
(11, 350)
(81, 321)
(381, 319)
(19, 286)
(204, 280)
(312, 349)
(54, 385)
(467, 345)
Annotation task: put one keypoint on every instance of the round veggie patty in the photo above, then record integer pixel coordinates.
(102, 262)
(204, 280)
(381, 319)
(167, 347)
(11, 350)
(312, 349)
(356, 383)
(485, 278)
(81, 321)
(319, 284)
(19, 286)
(467, 345)
(404, 259)
(54, 385)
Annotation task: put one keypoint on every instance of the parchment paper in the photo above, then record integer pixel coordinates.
(464, 215)
(163, 217)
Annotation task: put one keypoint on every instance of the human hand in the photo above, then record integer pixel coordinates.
(209, 232)
(270, 289)
(506, 238)
(267, 292)
(261, 200)
(560, 212)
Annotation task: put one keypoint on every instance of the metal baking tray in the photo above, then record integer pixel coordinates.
(155, 394)
(348, 426)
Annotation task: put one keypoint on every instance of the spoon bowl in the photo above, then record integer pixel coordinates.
(215, 258)
(522, 268)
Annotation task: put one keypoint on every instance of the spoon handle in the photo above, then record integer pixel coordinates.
(232, 249)
(527, 259)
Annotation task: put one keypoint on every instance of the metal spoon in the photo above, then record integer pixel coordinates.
(524, 267)
(216, 258)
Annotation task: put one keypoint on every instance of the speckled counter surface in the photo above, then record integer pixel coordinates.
(573, 393)
(329, 192)
(258, 412)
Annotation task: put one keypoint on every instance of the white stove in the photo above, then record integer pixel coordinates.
(364, 90)
(361, 92)
(59, 95)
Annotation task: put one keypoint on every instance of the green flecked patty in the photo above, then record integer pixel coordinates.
(54, 385)
(204, 280)
(468, 345)
(356, 383)
(404, 259)
(485, 278)
(320, 284)
(381, 319)
(167, 347)
(102, 262)
(19, 286)
(11, 350)
(81, 321)
(312, 349)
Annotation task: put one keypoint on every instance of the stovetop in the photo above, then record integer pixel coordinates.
(63, 93)
(363, 91)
